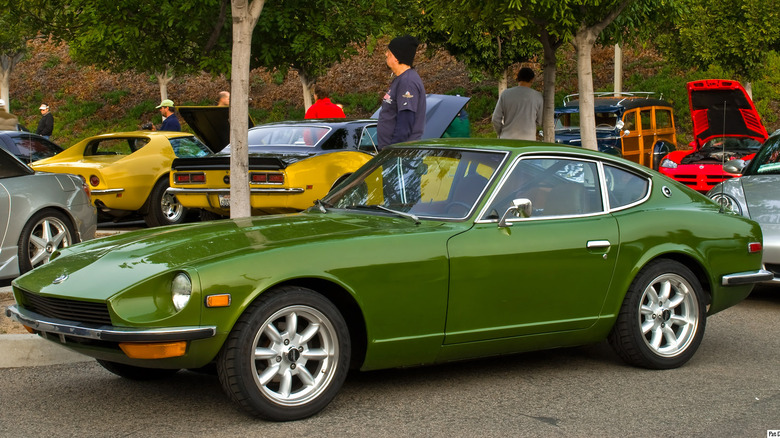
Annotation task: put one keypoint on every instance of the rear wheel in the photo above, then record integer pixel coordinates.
(287, 356)
(163, 208)
(46, 231)
(662, 319)
(136, 373)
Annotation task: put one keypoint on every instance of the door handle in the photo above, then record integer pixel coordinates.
(594, 244)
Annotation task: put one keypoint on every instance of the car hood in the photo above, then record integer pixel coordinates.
(761, 197)
(210, 123)
(722, 108)
(440, 111)
(125, 259)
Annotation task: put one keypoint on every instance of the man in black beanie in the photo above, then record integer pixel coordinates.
(402, 116)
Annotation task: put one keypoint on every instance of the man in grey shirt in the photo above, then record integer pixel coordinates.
(519, 109)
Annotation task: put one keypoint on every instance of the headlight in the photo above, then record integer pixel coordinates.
(181, 290)
(726, 202)
(669, 164)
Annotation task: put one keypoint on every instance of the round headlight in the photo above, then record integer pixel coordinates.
(181, 290)
(669, 164)
(726, 202)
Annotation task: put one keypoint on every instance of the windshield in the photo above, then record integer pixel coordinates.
(572, 120)
(428, 183)
(732, 144)
(188, 147)
(767, 160)
(301, 136)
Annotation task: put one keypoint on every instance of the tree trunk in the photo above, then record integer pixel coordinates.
(163, 79)
(502, 81)
(548, 94)
(306, 84)
(618, 88)
(583, 45)
(7, 64)
(245, 16)
(749, 89)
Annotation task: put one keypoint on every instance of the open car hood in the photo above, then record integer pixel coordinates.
(440, 111)
(210, 123)
(722, 108)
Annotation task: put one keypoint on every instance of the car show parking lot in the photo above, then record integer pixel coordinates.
(730, 388)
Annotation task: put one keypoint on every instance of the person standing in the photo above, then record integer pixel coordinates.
(46, 124)
(170, 121)
(519, 109)
(402, 115)
(223, 98)
(323, 108)
(8, 121)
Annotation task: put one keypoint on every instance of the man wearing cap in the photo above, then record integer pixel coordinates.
(8, 121)
(402, 116)
(170, 121)
(46, 124)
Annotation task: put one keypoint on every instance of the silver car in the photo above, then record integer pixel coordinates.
(39, 213)
(755, 195)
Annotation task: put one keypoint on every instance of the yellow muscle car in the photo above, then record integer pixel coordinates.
(127, 172)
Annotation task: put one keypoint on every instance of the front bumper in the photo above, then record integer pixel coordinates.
(106, 333)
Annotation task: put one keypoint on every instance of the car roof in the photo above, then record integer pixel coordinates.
(722, 108)
(612, 103)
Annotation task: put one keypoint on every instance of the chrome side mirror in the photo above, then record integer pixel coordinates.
(734, 166)
(520, 208)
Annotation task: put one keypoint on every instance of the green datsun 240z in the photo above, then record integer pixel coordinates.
(434, 251)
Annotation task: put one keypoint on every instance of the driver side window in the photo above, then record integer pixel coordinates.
(556, 187)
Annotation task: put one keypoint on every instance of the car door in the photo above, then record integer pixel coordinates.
(549, 272)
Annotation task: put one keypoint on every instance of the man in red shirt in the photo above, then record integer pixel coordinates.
(323, 108)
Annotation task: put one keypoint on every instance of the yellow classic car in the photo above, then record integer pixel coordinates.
(291, 164)
(127, 172)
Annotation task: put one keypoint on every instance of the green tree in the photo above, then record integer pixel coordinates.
(161, 38)
(732, 34)
(311, 37)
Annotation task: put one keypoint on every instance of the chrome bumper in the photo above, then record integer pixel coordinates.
(63, 328)
(747, 277)
(227, 191)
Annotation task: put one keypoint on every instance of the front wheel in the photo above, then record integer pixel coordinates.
(287, 356)
(163, 208)
(662, 319)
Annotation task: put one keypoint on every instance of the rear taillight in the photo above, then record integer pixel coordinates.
(94, 180)
(266, 178)
(755, 247)
(189, 178)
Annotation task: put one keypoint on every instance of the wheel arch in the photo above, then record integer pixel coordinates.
(64, 211)
(145, 207)
(349, 308)
(694, 265)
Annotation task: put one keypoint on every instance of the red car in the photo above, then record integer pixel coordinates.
(726, 126)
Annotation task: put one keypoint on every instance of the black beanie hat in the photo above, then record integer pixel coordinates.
(404, 48)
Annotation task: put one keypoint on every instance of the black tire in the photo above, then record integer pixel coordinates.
(136, 373)
(162, 208)
(661, 322)
(46, 231)
(302, 371)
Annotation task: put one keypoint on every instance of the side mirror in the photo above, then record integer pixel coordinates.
(626, 132)
(520, 208)
(734, 166)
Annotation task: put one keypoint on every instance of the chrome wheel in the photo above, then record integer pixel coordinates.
(42, 235)
(668, 315)
(295, 353)
(662, 319)
(287, 355)
(171, 208)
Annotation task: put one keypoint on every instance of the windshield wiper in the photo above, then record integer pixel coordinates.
(388, 210)
(321, 205)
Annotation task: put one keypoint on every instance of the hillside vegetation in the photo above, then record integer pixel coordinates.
(86, 101)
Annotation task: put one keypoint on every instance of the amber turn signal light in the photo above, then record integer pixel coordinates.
(157, 350)
(221, 300)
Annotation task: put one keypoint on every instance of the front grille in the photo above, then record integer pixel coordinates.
(71, 310)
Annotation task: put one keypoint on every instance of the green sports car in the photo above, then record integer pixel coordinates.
(434, 251)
